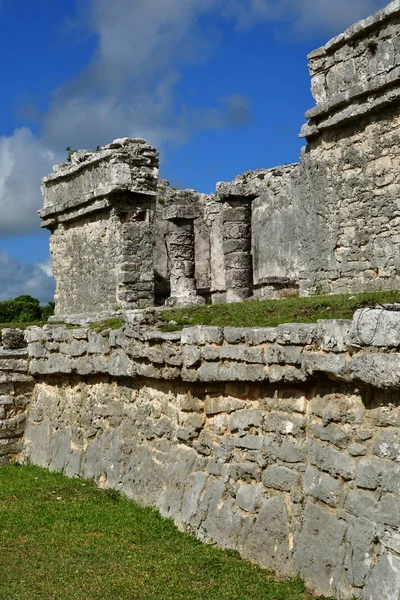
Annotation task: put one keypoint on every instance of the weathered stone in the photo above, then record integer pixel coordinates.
(296, 333)
(249, 497)
(365, 504)
(320, 549)
(268, 541)
(202, 335)
(331, 460)
(259, 335)
(376, 327)
(214, 406)
(284, 423)
(322, 487)
(285, 355)
(333, 364)
(243, 420)
(280, 478)
(12, 338)
(378, 370)
(384, 581)
(332, 336)
(387, 445)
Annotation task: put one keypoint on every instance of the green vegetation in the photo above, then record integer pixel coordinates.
(70, 153)
(269, 313)
(114, 323)
(24, 310)
(66, 540)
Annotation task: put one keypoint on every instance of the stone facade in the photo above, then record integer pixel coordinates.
(348, 180)
(282, 443)
(16, 388)
(330, 224)
(100, 211)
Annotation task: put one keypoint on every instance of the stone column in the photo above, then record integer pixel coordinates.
(181, 255)
(135, 279)
(236, 233)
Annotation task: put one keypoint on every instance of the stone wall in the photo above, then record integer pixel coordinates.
(100, 211)
(16, 387)
(348, 182)
(282, 443)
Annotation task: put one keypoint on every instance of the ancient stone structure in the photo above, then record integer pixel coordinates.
(100, 211)
(328, 224)
(16, 387)
(349, 178)
(282, 443)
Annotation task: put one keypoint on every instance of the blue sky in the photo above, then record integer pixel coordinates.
(219, 86)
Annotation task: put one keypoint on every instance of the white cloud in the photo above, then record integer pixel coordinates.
(329, 17)
(17, 279)
(24, 159)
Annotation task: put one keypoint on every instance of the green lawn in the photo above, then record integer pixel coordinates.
(269, 313)
(63, 539)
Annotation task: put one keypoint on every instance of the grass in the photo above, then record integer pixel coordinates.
(17, 325)
(114, 323)
(63, 539)
(269, 313)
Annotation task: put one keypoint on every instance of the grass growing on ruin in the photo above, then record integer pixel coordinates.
(269, 313)
(66, 540)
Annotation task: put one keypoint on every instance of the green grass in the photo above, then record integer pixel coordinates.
(269, 313)
(17, 325)
(114, 323)
(63, 539)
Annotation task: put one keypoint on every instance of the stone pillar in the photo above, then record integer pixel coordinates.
(100, 208)
(236, 232)
(181, 253)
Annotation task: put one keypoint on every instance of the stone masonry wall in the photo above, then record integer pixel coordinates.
(348, 181)
(16, 387)
(100, 211)
(282, 443)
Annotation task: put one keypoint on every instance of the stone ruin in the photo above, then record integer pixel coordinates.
(329, 224)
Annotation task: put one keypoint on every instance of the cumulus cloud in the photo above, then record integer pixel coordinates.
(17, 279)
(24, 159)
(324, 16)
(128, 87)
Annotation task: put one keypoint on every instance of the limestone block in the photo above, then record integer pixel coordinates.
(332, 364)
(242, 353)
(331, 460)
(284, 423)
(249, 497)
(360, 555)
(281, 478)
(296, 333)
(12, 338)
(384, 581)
(384, 510)
(202, 335)
(387, 445)
(332, 336)
(322, 486)
(258, 335)
(290, 355)
(268, 540)
(243, 420)
(376, 327)
(215, 406)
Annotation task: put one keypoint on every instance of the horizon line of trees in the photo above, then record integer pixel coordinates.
(24, 309)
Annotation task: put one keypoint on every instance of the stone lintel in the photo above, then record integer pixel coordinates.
(125, 166)
(250, 185)
(180, 212)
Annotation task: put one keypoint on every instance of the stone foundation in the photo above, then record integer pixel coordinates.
(282, 443)
(16, 387)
